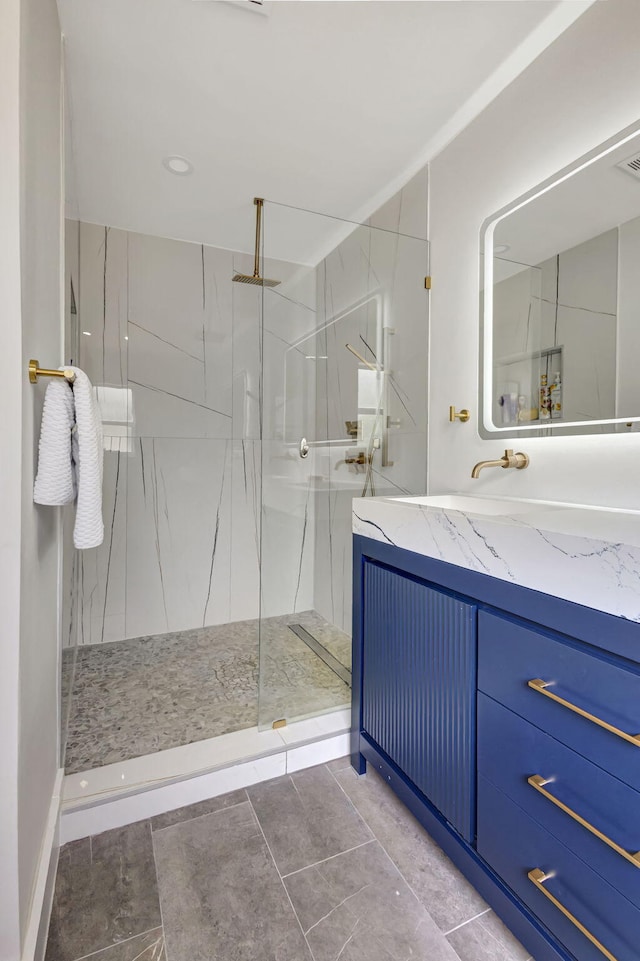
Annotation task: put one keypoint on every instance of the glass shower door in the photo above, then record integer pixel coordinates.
(343, 416)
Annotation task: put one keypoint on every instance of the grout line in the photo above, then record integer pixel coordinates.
(155, 865)
(167, 827)
(324, 860)
(468, 921)
(406, 881)
(116, 944)
(295, 913)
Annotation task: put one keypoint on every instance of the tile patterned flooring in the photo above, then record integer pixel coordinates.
(130, 698)
(315, 866)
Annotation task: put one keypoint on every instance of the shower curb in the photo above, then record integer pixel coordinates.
(120, 794)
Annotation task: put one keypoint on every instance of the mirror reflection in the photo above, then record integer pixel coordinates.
(562, 274)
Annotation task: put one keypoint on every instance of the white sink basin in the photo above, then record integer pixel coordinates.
(474, 505)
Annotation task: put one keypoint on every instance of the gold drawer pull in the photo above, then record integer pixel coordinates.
(538, 878)
(537, 781)
(542, 688)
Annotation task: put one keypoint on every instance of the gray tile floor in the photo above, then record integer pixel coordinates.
(129, 698)
(316, 866)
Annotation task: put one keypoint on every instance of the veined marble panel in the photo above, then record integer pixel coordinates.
(244, 599)
(103, 304)
(288, 530)
(178, 534)
(406, 211)
(383, 269)
(101, 572)
(180, 337)
(589, 557)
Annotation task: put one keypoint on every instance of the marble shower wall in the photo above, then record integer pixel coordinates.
(288, 481)
(196, 370)
(179, 347)
(386, 261)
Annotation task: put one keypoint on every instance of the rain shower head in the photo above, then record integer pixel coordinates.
(255, 278)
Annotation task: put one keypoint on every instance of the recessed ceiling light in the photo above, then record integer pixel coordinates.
(178, 165)
(87, 333)
(501, 248)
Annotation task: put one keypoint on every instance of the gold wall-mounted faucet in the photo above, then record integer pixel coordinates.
(519, 461)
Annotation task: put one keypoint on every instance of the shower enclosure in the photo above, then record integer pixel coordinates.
(220, 598)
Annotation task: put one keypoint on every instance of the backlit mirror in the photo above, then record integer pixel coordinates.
(561, 300)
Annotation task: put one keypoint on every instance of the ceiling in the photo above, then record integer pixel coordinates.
(329, 106)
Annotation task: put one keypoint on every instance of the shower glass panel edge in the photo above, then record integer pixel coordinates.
(344, 340)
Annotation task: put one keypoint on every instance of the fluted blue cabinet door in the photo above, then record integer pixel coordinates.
(419, 683)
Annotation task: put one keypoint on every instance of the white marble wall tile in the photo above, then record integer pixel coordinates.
(588, 363)
(160, 365)
(406, 211)
(158, 414)
(368, 262)
(588, 276)
(101, 572)
(247, 353)
(244, 600)
(103, 304)
(167, 292)
(178, 534)
(211, 364)
(71, 350)
(180, 324)
(288, 530)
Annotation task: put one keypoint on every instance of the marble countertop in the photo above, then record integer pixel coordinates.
(590, 555)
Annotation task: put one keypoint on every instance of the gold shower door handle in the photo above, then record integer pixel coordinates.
(542, 688)
(538, 877)
(538, 782)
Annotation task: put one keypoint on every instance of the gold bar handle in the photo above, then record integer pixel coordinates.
(541, 687)
(538, 782)
(538, 877)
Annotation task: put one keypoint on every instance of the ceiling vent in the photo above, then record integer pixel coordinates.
(631, 166)
(253, 6)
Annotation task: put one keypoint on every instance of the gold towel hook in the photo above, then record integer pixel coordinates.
(36, 371)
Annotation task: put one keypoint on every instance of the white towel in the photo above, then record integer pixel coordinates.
(70, 456)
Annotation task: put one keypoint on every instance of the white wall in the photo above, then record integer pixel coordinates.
(30, 205)
(10, 474)
(579, 92)
(41, 252)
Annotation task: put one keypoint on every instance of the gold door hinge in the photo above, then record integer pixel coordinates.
(281, 723)
(427, 283)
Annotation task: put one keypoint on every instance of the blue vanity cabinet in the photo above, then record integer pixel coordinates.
(419, 687)
(508, 722)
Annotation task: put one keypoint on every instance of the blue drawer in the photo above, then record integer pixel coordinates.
(514, 845)
(510, 750)
(511, 654)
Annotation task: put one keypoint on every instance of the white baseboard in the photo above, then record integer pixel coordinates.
(35, 941)
(120, 795)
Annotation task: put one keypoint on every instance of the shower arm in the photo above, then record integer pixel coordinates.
(258, 201)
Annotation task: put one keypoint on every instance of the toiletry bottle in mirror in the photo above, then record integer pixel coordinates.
(545, 398)
(556, 396)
